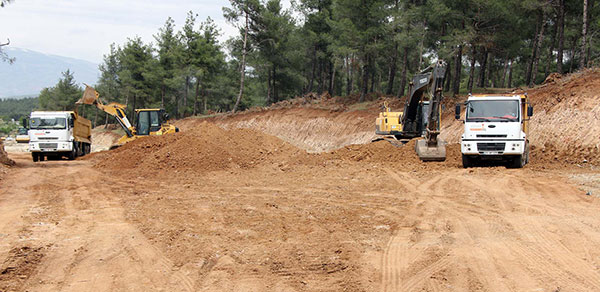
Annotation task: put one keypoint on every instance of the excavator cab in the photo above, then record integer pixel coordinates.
(153, 122)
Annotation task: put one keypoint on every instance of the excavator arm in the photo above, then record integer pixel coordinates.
(117, 110)
(432, 148)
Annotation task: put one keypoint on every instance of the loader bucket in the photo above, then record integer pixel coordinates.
(427, 152)
(90, 96)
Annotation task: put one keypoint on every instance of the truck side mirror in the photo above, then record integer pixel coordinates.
(457, 112)
(71, 123)
(25, 124)
(530, 111)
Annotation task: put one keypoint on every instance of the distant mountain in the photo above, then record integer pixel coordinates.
(33, 71)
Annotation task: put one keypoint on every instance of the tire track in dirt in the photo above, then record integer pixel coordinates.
(93, 247)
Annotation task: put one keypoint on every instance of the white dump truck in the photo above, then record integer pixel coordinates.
(58, 134)
(496, 127)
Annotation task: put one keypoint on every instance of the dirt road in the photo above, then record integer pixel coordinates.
(327, 225)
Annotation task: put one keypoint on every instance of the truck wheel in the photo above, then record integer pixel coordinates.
(73, 154)
(34, 157)
(518, 161)
(466, 161)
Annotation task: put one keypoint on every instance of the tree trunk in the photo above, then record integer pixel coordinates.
(448, 78)
(275, 89)
(320, 88)
(537, 52)
(483, 68)
(457, 71)
(472, 71)
(133, 108)
(348, 76)
(331, 77)
(404, 72)
(205, 99)
(584, 35)
(561, 36)
(490, 71)
(571, 64)
(196, 96)
(372, 87)
(504, 71)
(243, 69)
(312, 74)
(510, 71)
(365, 80)
(550, 54)
(533, 50)
(185, 94)
(392, 73)
(162, 97)
(269, 97)
(332, 85)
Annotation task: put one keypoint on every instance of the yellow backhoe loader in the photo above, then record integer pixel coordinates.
(153, 122)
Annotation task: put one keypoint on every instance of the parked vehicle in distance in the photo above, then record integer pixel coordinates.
(22, 135)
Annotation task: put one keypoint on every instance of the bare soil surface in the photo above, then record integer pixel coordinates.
(283, 199)
(356, 219)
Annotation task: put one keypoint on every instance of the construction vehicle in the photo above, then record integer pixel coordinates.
(496, 127)
(149, 122)
(22, 135)
(57, 134)
(421, 115)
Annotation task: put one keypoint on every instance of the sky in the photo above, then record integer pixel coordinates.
(84, 29)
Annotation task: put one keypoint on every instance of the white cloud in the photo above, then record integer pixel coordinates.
(84, 29)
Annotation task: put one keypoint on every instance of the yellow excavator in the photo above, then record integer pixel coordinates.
(149, 122)
(421, 115)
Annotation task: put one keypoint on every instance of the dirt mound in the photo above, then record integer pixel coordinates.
(103, 139)
(4, 157)
(404, 156)
(566, 124)
(206, 147)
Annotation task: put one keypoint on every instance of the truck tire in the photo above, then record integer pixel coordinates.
(73, 154)
(467, 161)
(517, 161)
(35, 157)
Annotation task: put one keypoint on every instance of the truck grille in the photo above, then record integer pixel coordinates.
(48, 138)
(48, 145)
(496, 147)
(490, 136)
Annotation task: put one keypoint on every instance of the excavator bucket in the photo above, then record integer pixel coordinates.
(90, 96)
(436, 152)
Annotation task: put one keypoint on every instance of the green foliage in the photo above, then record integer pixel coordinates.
(62, 96)
(17, 109)
(343, 47)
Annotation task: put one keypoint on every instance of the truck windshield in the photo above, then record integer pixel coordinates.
(22, 131)
(493, 110)
(48, 123)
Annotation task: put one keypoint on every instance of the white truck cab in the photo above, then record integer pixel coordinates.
(58, 134)
(496, 127)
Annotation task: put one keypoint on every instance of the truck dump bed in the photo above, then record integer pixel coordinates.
(82, 129)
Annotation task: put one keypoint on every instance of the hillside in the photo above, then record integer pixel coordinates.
(33, 71)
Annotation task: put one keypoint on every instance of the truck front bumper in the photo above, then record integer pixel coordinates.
(492, 147)
(50, 146)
